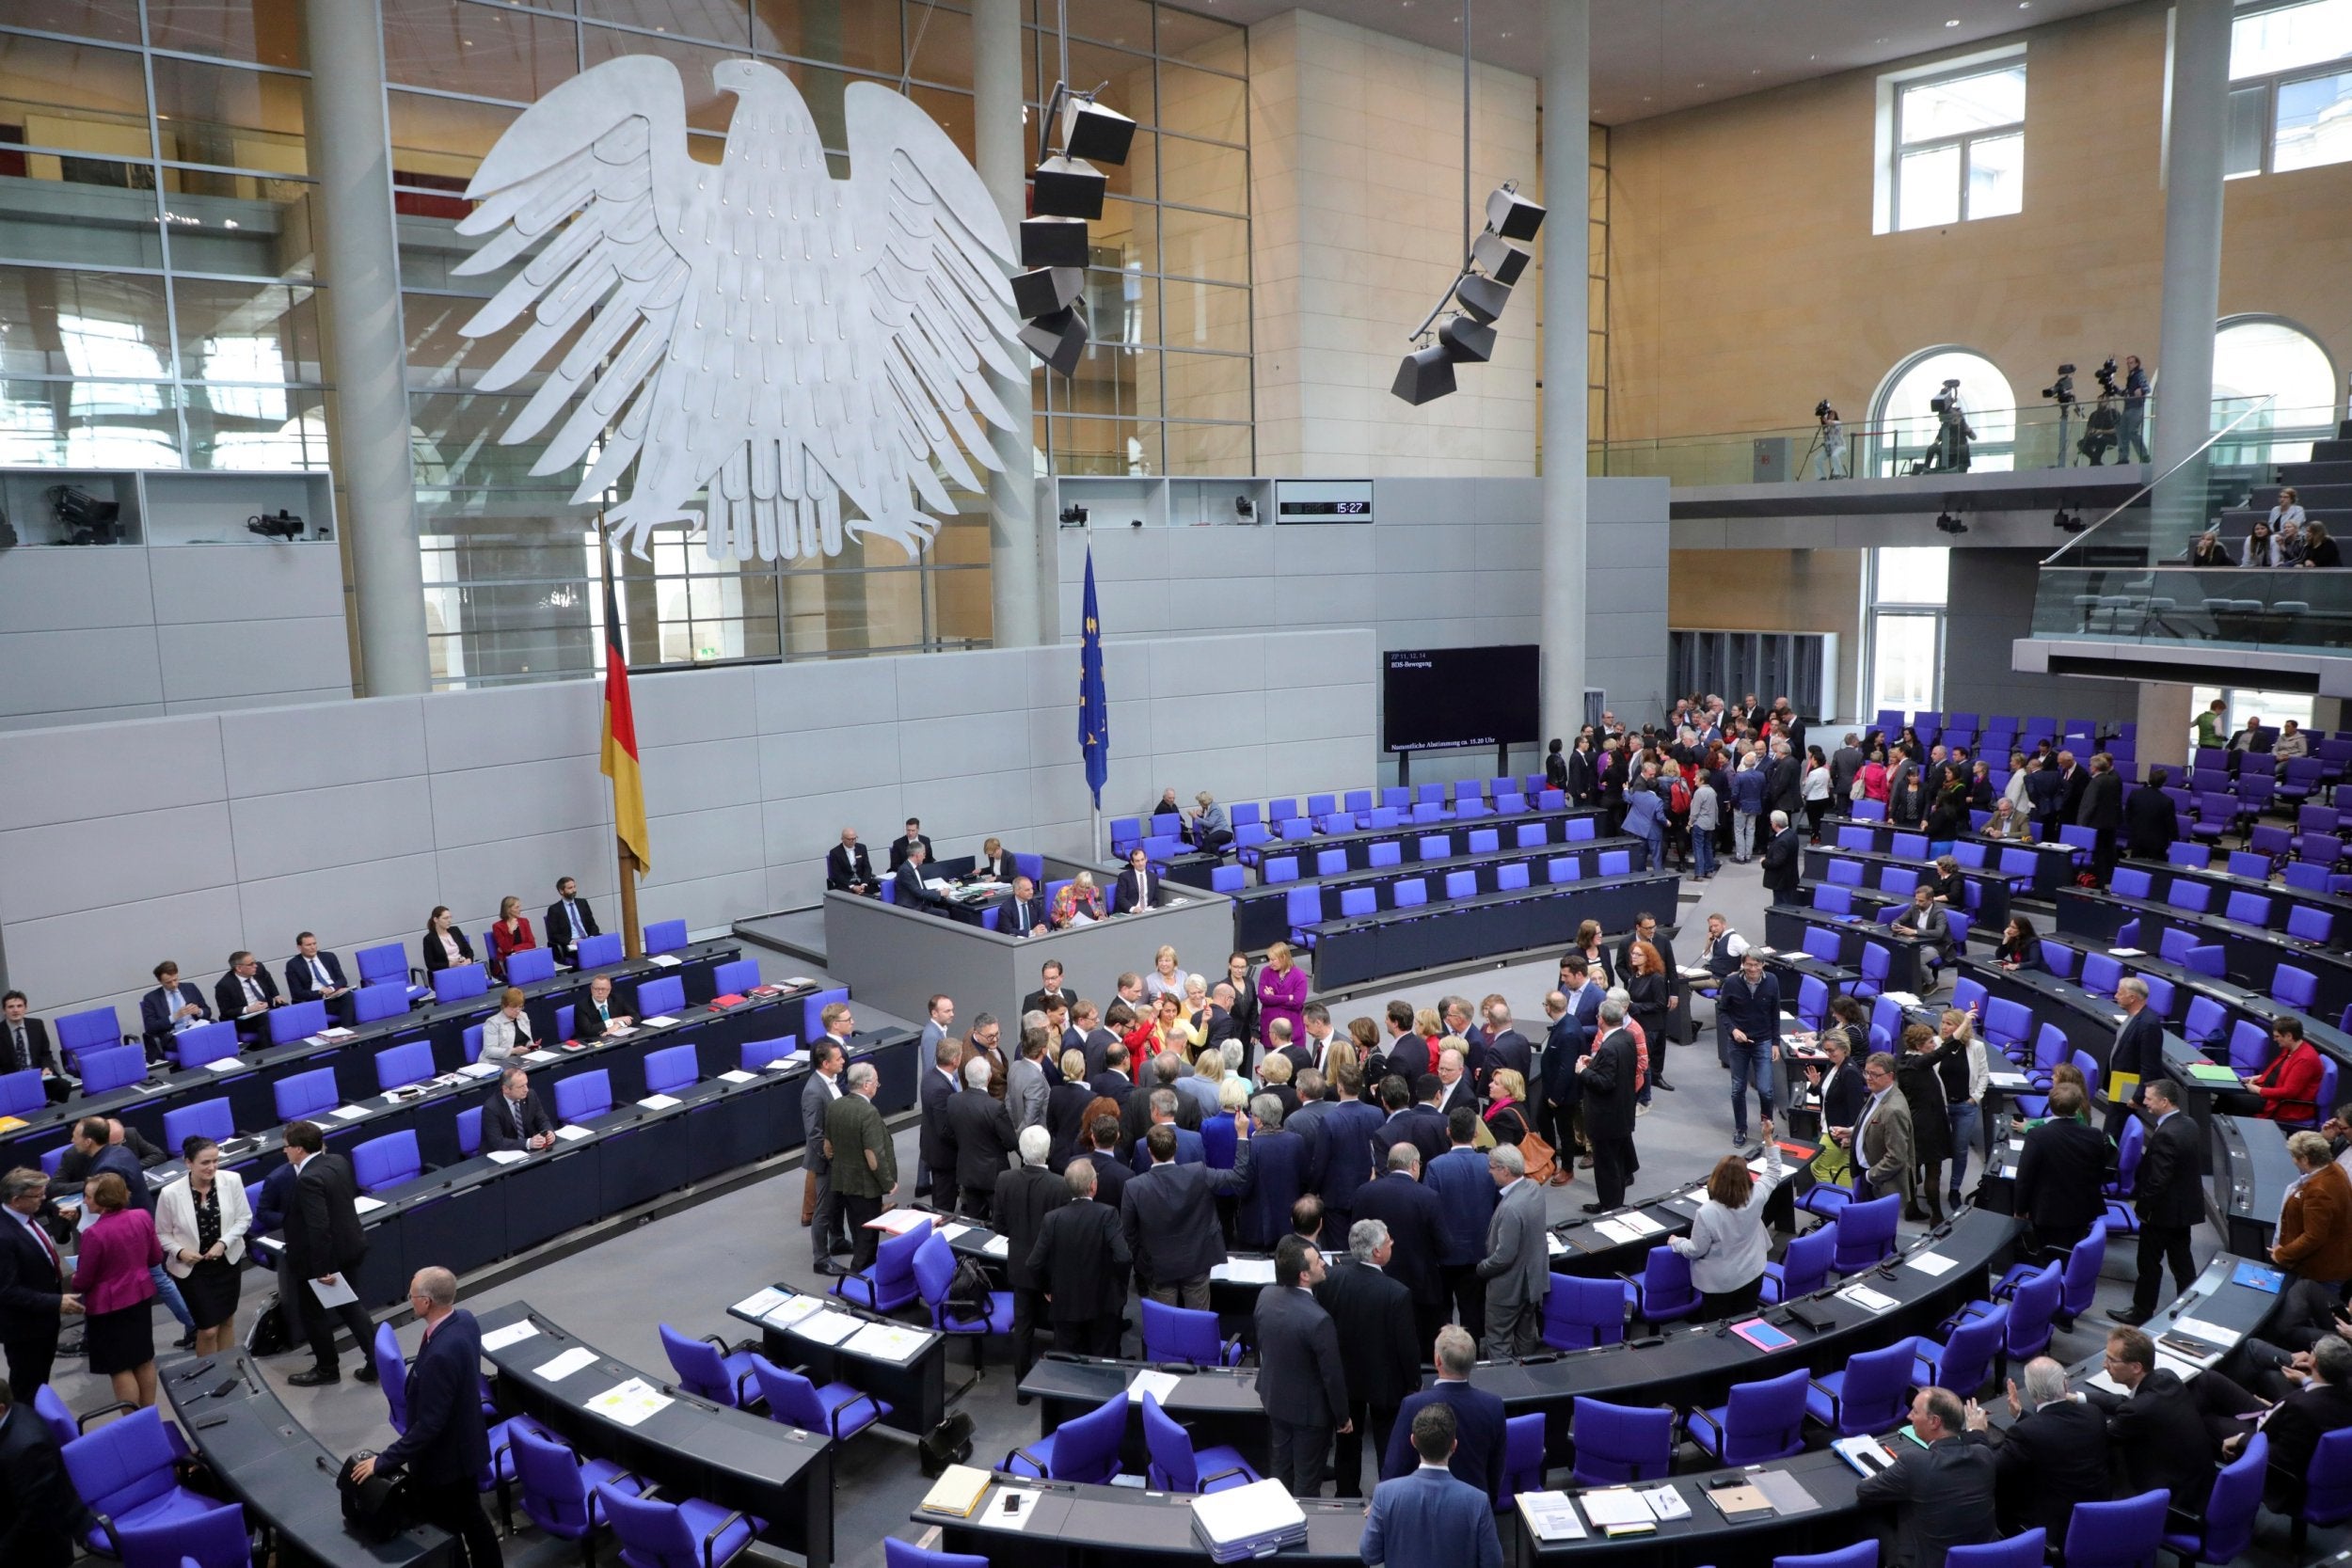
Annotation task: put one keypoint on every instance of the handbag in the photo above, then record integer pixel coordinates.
(375, 1509)
(1541, 1158)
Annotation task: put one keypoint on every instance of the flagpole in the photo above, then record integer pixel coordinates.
(633, 939)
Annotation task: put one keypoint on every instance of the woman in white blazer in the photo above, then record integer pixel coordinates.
(507, 1033)
(201, 1219)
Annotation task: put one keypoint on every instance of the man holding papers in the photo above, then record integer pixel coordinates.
(1427, 1519)
(324, 1243)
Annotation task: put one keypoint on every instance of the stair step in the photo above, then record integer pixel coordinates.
(2238, 519)
(2303, 476)
(2332, 451)
(2312, 496)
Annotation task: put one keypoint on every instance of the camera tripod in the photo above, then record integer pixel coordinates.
(1833, 465)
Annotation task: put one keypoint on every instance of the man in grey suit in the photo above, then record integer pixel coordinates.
(1517, 1267)
(1942, 1492)
(1880, 1140)
(1026, 1088)
(817, 1096)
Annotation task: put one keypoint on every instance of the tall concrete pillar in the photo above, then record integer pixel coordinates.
(2165, 719)
(2198, 126)
(1002, 140)
(1567, 158)
(350, 150)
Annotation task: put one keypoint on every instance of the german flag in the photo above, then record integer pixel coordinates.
(620, 733)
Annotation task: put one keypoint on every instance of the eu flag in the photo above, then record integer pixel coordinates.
(1095, 707)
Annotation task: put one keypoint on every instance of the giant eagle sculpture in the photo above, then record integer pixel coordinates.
(789, 341)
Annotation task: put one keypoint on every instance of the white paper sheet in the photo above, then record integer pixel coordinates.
(507, 1156)
(366, 1205)
(760, 1302)
(1010, 1508)
(827, 1327)
(660, 1102)
(1618, 1231)
(998, 1247)
(1664, 1503)
(887, 1341)
(900, 1221)
(1870, 1300)
(736, 1075)
(1615, 1505)
(2212, 1333)
(1551, 1515)
(1243, 1271)
(949, 1232)
(1933, 1264)
(665, 960)
(351, 1112)
(1158, 1384)
(512, 1334)
(572, 1134)
(223, 1064)
(663, 1021)
(567, 1363)
(1642, 1225)
(336, 1294)
(630, 1403)
(792, 1311)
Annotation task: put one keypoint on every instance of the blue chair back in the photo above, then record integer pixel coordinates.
(1358, 902)
(655, 1533)
(1866, 1233)
(1278, 868)
(1875, 1395)
(91, 1029)
(2328, 1480)
(2130, 881)
(2079, 1282)
(1086, 1448)
(1615, 863)
(735, 979)
(1862, 1554)
(661, 997)
(1805, 1267)
(1579, 1313)
(388, 1161)
(398, 1065)
(665, 936)
(604, 950)
(701, 1369)
(756, 1054)
(20, 1094)
(1511, 876)
(1411, 892)
(2123, 1534)
(387, 998)
(305, 1094)
(1232, 879)
(385, 965)
(1666, 1292)
(206, 1042)
(1302, 905)
(1389, 852)
(469, 1131)
(583, 1094)
(1765, 1419)
(1619, 1443)
(2231, 1507)
(548, 1474)
(672, 1068)
(208, 1118)
(1330, 862)
(296, 1021)
(112, 1067)
(2018, 1551)
(1522, 1445)
(813, 1010)
(530, 964)
(460, 982)
(2032, 1307)
(1966, 1362)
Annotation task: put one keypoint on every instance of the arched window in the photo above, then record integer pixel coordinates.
(1903, 425)
(2258, 357)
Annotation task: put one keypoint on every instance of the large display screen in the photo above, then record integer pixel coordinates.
(1436, 699)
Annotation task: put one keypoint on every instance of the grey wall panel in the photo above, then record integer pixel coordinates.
(828, 761)
(826, 694)
(258, 700)
(504, 725)
(97, 770)
(74, 590)
(14, 721)
(317, 829)
(1201, 666)
(237, 586)
(324, 746)
(482, 805)
(353, 907)
(701, 775)
(991, 681)
(690, 845)
(960, 809)
(61, 673)
(710, 903)
(1326, 712)
(474, 879)
(805, 826)
(259, 658)
(102, 956)
(68, 866)
(688, 706)
(1991, 604)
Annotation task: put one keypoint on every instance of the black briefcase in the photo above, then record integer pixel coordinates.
(949, 1443)
(375, 1509)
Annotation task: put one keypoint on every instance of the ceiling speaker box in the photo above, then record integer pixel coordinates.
(1090, 130)
(1497, 258)
(1067, 188)
(1482, 297)
(1466, 340)
(1059, 340)
(1424, 374)
(1045, 289)
(1052, 242)
(1513, 217)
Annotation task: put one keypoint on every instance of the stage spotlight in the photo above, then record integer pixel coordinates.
(1946, 523)
(1466, 340)
(1244, 510)
(1424, 374)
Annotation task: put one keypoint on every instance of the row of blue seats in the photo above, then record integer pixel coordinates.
(1161, 836)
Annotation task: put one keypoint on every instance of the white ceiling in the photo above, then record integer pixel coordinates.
(1652, 57)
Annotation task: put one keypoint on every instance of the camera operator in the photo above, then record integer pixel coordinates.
(1829, 456)
(1953, 432)
(2099, 431)
(2129, 438)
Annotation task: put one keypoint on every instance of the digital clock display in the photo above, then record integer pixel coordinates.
(1322, 500)
(1327, 508)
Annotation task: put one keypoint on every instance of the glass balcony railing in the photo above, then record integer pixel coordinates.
(2135, 577)
(2005, 439)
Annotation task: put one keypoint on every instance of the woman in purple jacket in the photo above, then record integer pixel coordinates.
(1281, 993)
(114, 1276)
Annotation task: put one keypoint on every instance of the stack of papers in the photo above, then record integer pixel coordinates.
(827, 1327)
(572, 1134)
(350, 1113)
(736, 1075)
(760, 1302)
(1901, 998)
(792, 1311)
(1158, 1384)
(949, 1232)
(887, 1341)
(1554, 1246)
(1243, 1271)
(898, 1221)
(480, 1069)
(218, 1064)
(2210, 1333)
(662, 1022)
(998, 1247)
(665, 960)
(1641, 1224)
(956, 1492)
(1550, 1516)
(541, 1058)
(1618, 1510)
(506, 1156)
(630, 1403)
(659, 1101)
(1618, 1231)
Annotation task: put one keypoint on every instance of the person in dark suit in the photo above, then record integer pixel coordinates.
(1608, 1075)
(1024, 1196)
(1507, 1048)
(1162, 1106)
(1079, 1264)
(174, 1005)
(1466, 1197)
(41, 1519)
(313, 975)
(1784, 857)
(994, 864)
(1024, 914)
(1100, 1148)
(246, 994)
(906, 884)
(2152, 824)
(902, 847)
(1478, 1417)
(826, 1061)
(1301, 1379)
(324, 1243)
(931, 1095)
(979, 1137)
(2138, 1048)
(446, 1446)
(1065, 1111)
(1421, 1126)
(2323, 1405)
(2170, 1201)
(1408, 1053)
(33, 1295)
(2154, 1426)
(849, 869)
(1414, 1218)
(2073, 784)
(1170, 1214)
(1109, 1080)
(566, 921)
(1049, 987)
(1279, 1167)
(25, 1045)
(1372, 1313)
(2062, 1173)
(1427, 1517)
(2053, 1455)
(1941, 1495)
(515, 1117)
(1138, 887)
(2102, 812)
(1344, 1129)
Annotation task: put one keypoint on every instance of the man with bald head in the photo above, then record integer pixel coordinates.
(447, 1444)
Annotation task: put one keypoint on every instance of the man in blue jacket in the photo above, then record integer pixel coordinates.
(1468, 1195)
(1425, 1519)
(447, 1446)
(1478, 1418)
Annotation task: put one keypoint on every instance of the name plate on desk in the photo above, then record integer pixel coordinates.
(350, 1113)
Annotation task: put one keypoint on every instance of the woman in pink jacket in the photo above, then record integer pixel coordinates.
(113, 1275)
(1281, 993)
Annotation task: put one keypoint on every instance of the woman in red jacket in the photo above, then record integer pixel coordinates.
(2289, 1086)
(510, 935)
(114, 1276)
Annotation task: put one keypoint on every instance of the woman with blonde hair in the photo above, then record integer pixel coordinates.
(1281, 992)
(1168, 977)
(509, 934)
